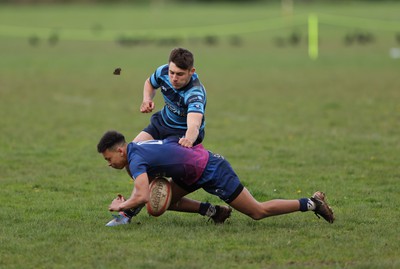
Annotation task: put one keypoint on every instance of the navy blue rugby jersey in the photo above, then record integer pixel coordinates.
(167, 158)
(178, 103)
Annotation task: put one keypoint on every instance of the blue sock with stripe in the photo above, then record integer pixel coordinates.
(306, 204)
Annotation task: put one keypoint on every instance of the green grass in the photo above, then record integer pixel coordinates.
(288, 125)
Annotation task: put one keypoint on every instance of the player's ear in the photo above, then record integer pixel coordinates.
(191, 71)
(120, 150)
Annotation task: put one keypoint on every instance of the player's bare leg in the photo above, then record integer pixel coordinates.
(248, 205)
(183, 204)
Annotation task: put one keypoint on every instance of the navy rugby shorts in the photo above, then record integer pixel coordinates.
(218, 178)
(159, 130)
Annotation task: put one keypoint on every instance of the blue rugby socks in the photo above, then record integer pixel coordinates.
(207, 209)
(306, 204)
(130, 213)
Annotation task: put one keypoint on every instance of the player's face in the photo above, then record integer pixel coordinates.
(178, 77)
(115, 158)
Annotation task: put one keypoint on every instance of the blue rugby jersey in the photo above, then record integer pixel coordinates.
(167, 158)
(178, 103)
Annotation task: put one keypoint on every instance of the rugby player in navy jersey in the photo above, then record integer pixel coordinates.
(185, 101)
(191, 169)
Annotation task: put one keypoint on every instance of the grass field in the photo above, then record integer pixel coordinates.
(288, 125)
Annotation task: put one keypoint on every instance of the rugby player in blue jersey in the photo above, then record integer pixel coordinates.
(191, 169)
(185, 101)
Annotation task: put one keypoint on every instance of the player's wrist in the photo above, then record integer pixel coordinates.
(147, 99)
(190, 141)
(193, 134)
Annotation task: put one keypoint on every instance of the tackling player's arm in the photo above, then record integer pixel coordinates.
(194, 121)
(149, 92)
(140, 195)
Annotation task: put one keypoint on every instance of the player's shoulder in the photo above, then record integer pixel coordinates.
(131, 148)
(131, 151)
(163, 69)
(195, 90)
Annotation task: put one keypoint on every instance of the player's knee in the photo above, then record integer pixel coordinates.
(257, 214)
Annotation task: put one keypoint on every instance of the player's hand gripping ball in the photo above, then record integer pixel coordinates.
(160, 196)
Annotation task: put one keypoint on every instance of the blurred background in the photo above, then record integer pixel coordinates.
(302, 95)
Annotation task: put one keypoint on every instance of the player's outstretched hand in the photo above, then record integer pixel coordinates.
(147, 106)
(116, 203)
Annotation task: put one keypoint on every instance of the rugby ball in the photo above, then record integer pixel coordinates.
(160, 196)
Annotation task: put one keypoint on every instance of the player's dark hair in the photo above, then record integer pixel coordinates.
(182, 58)
(109, 140)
